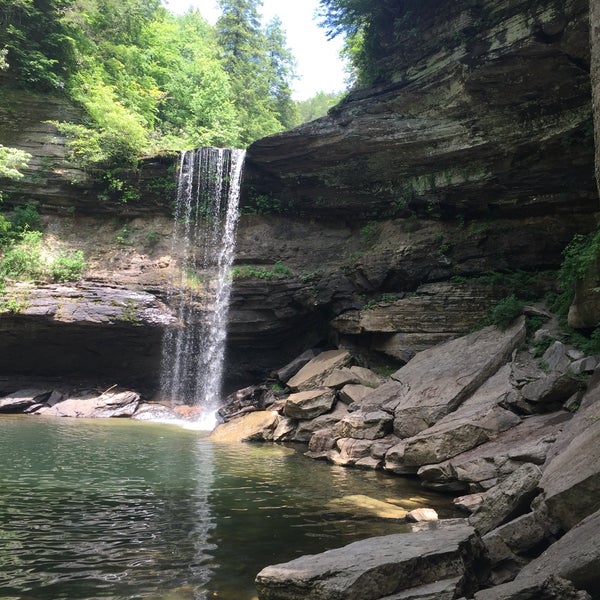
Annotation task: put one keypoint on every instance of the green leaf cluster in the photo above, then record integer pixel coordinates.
(149, 80)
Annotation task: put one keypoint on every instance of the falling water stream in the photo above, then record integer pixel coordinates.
(203, 243)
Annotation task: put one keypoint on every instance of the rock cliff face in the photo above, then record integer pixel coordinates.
(472, 153)
(483, 110)
(595, 75)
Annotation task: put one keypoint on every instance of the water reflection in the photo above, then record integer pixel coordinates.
(124, 510)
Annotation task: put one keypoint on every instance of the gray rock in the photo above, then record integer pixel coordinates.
(557, 357)
(340, 377)
(437, 381)
(254, 426)
(23, 399)
(289, 370)
(419, 515)
(475, 422)
(508, 499)
(550, 391)
(365, 425)
(354, 393)
(327, 421)
(366, 376)
(528, 442)
(575, 557)
(109, 404)
(309, 404)
(524, 533)
(584, 365)
(353, 450)
(321, 441)
(470, 502)
(284, 430)
(552, 588)
(446, 589)
(314, 373)
(571, 479)
(375, 567)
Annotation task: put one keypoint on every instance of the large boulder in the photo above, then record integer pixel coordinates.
(314, 373)
(571, 479)
(23, 399)
(574, 557)
(483, 466)
(254, 426)
(479, 419)
(94, 405)
(437, 381)
(377, 567)
(309, 404)
(507, 500)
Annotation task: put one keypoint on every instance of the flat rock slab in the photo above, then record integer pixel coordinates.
(309, 404)
(437, 381)
(373, 568)
(476, 421)
(93, 303)
(571, 479)
(508, 499)
(314, 373)
(107, 405)
(574, 557)
(439, 590)
(254, 426)
(530, 441)
(23, 399)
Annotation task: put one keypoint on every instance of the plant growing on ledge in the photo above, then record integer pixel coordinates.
(278, 271)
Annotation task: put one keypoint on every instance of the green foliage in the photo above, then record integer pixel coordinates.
(260, 68)
(370, 233)
(123, 236)
(579, 258)
(152, 238)
(12, 160)
(263, 204)
(361, 22)
(315, 107)
(26, 218)
(68, 266)
(506, 311)
(148, 80)
(279, 271)
(22, 259)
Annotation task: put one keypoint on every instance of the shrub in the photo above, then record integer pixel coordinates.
(506, 311)
(23, 258)
(68, 266)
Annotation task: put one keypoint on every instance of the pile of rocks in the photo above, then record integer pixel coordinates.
(478, 415)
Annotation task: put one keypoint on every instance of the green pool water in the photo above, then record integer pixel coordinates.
(124, 510)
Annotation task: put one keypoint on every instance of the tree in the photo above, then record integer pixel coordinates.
(317, 106)
(362, 23)
(245, 59)
(40, 46)
(281, 65)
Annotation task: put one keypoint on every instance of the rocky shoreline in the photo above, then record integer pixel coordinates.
(481, 416)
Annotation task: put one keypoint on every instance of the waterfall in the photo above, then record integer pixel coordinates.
(203, 244)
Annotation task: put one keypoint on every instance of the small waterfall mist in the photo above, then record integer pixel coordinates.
(203, 244)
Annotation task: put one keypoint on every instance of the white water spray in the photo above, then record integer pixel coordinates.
(203, 244)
